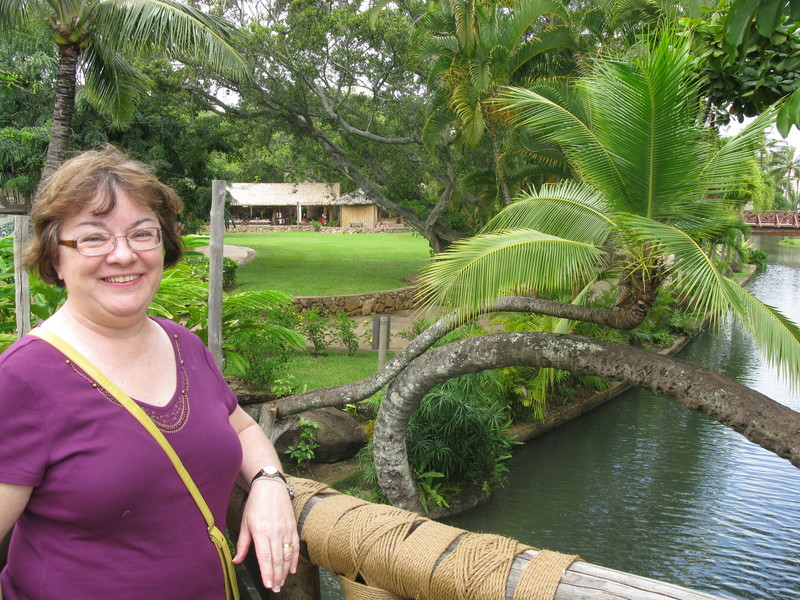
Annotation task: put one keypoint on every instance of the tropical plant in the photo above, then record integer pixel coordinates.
(784, 167)
(652, 192)
(475, 49)
(93, 38)
(459, 430)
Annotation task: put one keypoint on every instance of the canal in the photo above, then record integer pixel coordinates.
(643, 485)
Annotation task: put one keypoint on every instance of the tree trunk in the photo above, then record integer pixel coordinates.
(354, 392)
(500, 173)
(63, 110)
(760, 419)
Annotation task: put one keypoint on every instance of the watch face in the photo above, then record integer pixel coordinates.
(270, 470)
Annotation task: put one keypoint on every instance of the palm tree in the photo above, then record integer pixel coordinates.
(784, 166)
(478, 48)
(92, 38)
(653, 190)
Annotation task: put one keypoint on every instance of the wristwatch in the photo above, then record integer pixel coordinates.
(272, 473)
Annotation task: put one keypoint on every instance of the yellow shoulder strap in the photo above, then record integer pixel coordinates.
(214, 534)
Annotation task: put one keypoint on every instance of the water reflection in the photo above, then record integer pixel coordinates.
(646, 486)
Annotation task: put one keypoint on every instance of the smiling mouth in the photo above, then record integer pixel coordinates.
(124, 279)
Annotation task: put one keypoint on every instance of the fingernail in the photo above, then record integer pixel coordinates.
(269, 583)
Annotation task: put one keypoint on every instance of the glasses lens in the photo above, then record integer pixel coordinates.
(95, 244)
(144, 239)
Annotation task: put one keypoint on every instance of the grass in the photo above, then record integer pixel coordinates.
(337, 368)
(306, 263)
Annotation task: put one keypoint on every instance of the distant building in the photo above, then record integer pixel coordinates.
(292, 203)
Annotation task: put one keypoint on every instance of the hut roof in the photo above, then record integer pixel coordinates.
(289, 194)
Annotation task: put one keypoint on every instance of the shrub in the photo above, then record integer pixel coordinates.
(758, 258)
(459, 430)
(198, 268)
(343, 330)
(313, 325)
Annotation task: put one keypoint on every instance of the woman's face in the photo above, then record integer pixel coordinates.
(113, 290)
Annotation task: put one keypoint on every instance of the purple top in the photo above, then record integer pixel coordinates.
(109, 517)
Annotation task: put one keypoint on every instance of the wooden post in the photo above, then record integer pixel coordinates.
(22, 289)
(383, 344)
(215, 271)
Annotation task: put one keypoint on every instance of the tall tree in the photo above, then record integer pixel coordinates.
(94, 36)
(349, 98)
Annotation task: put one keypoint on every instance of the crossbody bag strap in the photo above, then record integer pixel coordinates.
(214, 534)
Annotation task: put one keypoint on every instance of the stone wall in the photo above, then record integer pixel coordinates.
(361, 304)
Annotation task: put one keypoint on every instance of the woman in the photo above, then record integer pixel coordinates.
(99, 510)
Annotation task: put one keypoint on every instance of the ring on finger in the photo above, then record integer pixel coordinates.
(288, 545)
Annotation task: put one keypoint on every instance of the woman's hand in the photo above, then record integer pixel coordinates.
(268, 522)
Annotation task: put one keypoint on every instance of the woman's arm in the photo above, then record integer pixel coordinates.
(268, 520)
(13, 499)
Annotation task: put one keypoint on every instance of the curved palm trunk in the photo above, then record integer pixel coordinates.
(63, 109)
(760, 419)
(339, 395)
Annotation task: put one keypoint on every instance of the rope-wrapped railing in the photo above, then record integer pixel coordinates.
(384, 553)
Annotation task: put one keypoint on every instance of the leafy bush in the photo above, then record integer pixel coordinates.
(199, 265)
(758, 258)
(459, 430)
(313, 325)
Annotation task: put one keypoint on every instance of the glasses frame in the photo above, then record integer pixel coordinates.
(114, 238)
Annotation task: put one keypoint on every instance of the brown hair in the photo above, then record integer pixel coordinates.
(95, 176)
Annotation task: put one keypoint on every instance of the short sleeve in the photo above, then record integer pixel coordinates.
(23, 453)
(228, 397)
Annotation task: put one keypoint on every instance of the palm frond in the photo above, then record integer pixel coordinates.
(723, 171)
(181, 30)
(775, 335)
(112, 84)
(256, 300)
(561, 125)
(476, 271)
(659, 152)
(568, 210)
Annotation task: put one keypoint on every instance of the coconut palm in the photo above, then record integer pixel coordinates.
(93, 37)
(652, 190)
(476, 49)
(784, 166)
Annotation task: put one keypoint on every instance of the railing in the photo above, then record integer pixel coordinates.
(776, 219)
(384, 553)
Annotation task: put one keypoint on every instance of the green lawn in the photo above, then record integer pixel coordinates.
(336, 368)
(306, 263)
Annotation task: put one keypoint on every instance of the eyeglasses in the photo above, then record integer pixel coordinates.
(98, 244)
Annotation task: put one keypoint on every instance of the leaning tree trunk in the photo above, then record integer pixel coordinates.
(339, 395)
(63, 109)
(760, 419)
